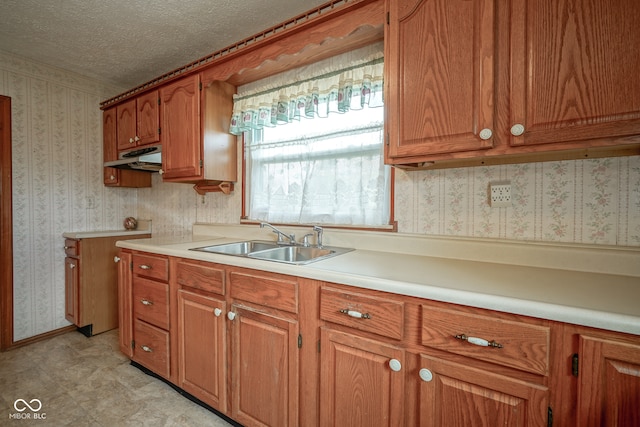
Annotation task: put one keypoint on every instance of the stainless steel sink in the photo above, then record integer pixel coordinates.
(271, 251)
(238, 248)
(294, 254)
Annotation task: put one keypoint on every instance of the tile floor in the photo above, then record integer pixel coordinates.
(84, 381)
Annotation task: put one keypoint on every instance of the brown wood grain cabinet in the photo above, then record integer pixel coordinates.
(118, 177)
(150, 305)
(138, 121)
(519, 80)
(268, 349)
(91, 283)
(197, 146)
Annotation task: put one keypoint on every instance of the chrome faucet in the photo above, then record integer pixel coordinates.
(280, 234)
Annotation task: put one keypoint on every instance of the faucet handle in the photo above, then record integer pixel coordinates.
(305, 240)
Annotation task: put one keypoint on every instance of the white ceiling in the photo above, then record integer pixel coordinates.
(129, 42)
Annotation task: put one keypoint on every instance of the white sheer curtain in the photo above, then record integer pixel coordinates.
(324, 165)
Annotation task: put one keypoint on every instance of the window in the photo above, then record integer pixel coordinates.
(314, 147)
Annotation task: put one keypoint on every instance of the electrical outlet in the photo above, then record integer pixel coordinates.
(500, 194)
(91, 202)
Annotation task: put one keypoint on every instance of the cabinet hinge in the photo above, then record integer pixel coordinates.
(387, 139)
(159, 131)
(158, 100)
(299, 341)
(133, 344)
(574, 365)
(318, 346)
(131, 266)
(200, 163)
(388, 18)
(550, 417)
(200, 86)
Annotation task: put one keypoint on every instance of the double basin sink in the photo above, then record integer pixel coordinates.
(272, 251)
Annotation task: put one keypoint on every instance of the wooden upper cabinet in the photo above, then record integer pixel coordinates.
(180, 115)
(573, 65)
(439, 61)
(138, 121)
(110, 145)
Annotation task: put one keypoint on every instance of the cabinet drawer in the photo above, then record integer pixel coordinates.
(380, 316)
(151, 301)
(523, 346)
(151, 347)
(72, 247)
(200, 275)
(156, 267)
(270, 291)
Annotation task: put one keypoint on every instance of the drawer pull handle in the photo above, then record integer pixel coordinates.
(355, 314)
(146, 302)
(145, 267)
(147, 349)
(479, 341)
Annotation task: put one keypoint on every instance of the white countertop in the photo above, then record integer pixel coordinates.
(144, 227)
(584, 285)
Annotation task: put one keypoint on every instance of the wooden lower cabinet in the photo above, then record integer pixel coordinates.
(458, 395)
(267, 349)
(608, 383)
(202, 369)
(359, 384)
(264, 369)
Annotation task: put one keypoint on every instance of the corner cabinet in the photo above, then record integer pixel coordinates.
(197, 146)
(118, 177)
(517, 80)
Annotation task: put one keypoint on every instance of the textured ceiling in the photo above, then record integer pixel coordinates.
(129, 42)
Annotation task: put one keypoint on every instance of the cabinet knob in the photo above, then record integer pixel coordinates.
(136, 138)
(231, 315)
(217, 312)
(425, 375)
(72, 266)
(517, 129)
(116, 259)
(161, 172)
(147, 349)
(112, 177)
(486, 133)
(395, 365)
(131, 141)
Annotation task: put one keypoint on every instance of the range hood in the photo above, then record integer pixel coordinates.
(147, 159)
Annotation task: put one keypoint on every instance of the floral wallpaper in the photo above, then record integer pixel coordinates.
(57, 182)
(57, 187)
(594, 201)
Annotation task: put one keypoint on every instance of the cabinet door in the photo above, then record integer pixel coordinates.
(608, 384)
(454, 395)
(72, 289)
(440, 71)
(126, 125)
(264, 367)
(202, 348)
(110, 146)
(125, 310)
(357, 385)
(181, 145)
(572, 67)
(148, 118)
